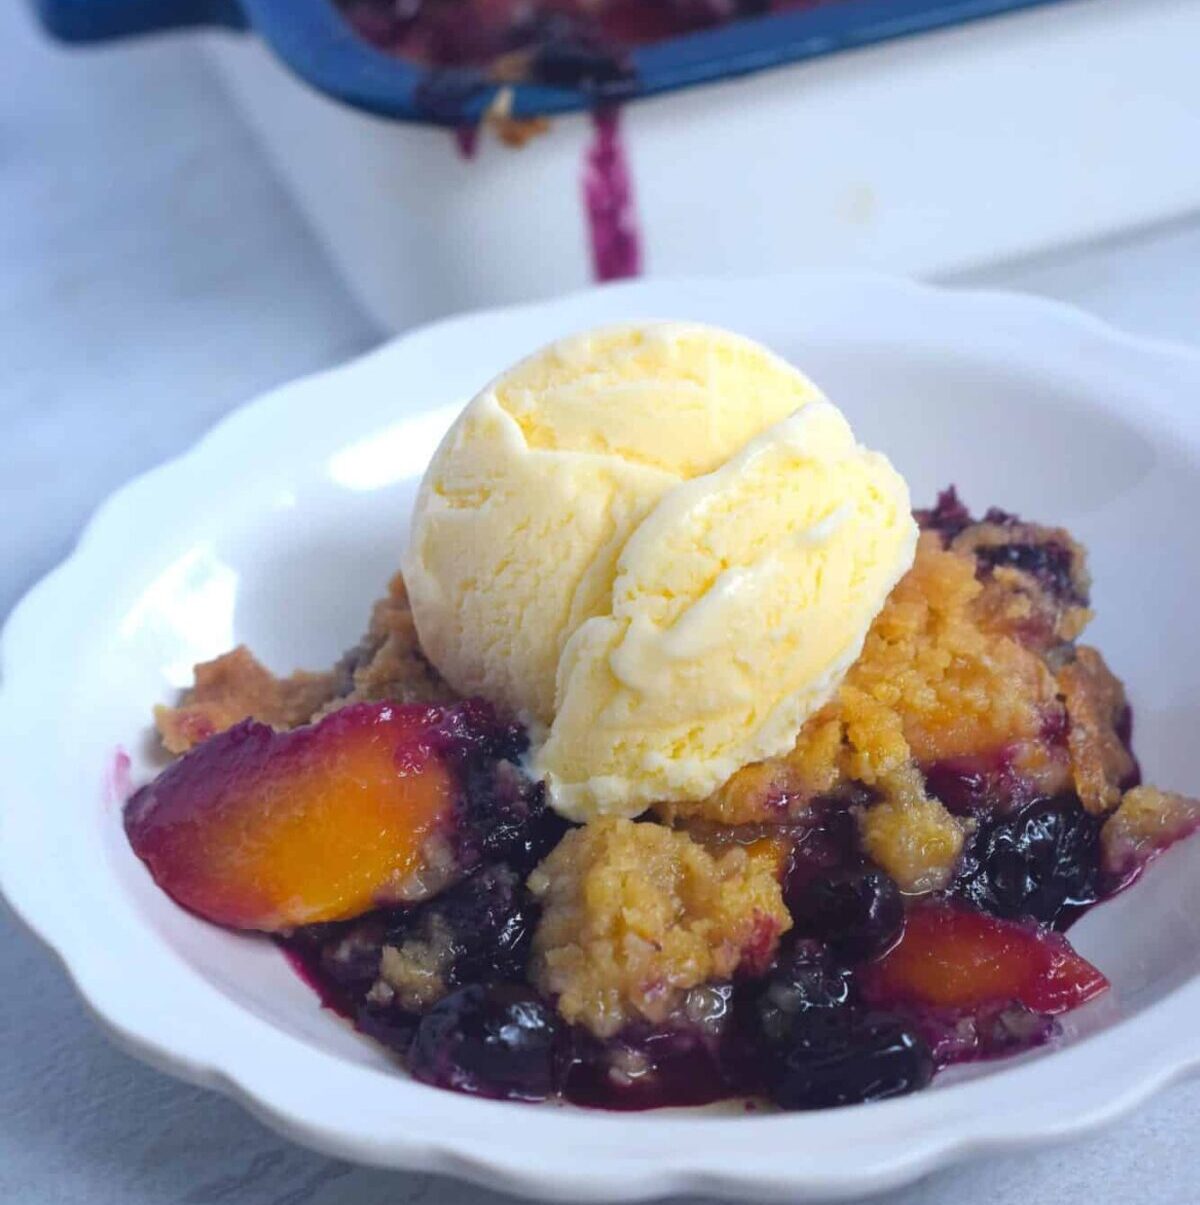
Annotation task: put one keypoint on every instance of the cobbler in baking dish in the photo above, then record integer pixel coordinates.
(830, 925)
(567, 43)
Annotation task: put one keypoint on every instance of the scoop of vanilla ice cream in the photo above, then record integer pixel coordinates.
(536, 488)
(662, 548)
(738, 604)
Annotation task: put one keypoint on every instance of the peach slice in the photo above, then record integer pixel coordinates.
(257, 829)
(951, 957)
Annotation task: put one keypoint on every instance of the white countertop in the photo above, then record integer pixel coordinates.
(153, 275)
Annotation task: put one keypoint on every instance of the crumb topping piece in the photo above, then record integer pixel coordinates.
(1101, 763)
(956, 685)
(414, 971)
(635, 915)
(915, 839)
(1147, 822)
(237, 686)
(387, 664)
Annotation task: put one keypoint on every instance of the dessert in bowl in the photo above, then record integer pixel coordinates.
(682, 762)
(276, 529)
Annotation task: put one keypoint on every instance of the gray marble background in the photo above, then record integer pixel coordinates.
(153, 275)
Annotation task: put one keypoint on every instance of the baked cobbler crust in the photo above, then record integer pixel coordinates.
(634, 915)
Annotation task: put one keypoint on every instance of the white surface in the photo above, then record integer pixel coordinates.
(284, 555)
(922, 155)
(153, 277)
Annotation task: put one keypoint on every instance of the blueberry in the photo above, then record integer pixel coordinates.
(828, 840)
(803, 981)
(858, 914)
(1049, 562)
(642, 1067)
(948, 517)
(497, 1041)
(832, 1059)
(816, 1047)
(389, 1026)
(340, 960)
(981, 784)
(1001, 518)
(1040, 864)
(506, 818)
(487, 922)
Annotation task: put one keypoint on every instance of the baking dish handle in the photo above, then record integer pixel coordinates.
(96, 20)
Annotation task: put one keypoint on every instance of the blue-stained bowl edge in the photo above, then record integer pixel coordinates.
(315, 41)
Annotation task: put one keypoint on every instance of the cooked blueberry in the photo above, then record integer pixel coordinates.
(351, 959)
(804, 980)
(1050, 563)
(677, 1064)
(387, 1024)
(506, 818)
(828, 841)
(1041, 863)
(858, 914)
(947, 517)
(484, 925)
(496, 1041)
(833, 1059)
(339, 960)
(987, 784)
(965, 786)
(1000, 518)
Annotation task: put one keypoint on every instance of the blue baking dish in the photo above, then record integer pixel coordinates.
(313, 39)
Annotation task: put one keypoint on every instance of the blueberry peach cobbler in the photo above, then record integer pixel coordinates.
(683, 762)
(563, 43)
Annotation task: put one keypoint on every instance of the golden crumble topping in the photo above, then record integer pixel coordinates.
(387, 664)
(233, 687)
(1146, 821)
(957, 687)
(914, 839)
(414, 971)
(1096, 707)
(634, 915)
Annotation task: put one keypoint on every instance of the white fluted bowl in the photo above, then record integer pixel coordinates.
(282, 525)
